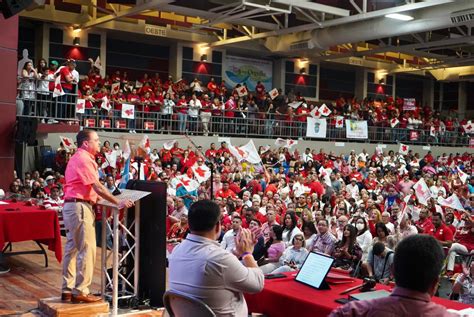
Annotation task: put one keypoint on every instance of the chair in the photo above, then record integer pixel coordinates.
(181, 305)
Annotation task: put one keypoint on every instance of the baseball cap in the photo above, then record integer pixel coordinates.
(54, 63)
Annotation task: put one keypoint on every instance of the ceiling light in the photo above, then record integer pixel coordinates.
(76, 41)
(399, 16)
(204, 58)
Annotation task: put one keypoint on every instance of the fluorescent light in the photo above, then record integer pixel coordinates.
(399, 16)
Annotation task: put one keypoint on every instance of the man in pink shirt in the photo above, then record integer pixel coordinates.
(417, 265)
(81, 192)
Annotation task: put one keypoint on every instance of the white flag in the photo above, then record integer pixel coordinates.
(67, 142)
(248, 152)
(339, 122)
(315, 113)
(403, 150)
(97, 63)
(394, 122)
(126, 151)
(264, 149)
(273, 93)
(462, 175)
(422, 192)
(80, 106)
(451, 202)
(138, 84)
(324, 110)
(316, 128)
(145, 144)
(432, 131)
(115, 88)
(325, 174)
(468, 127)
(202, 172)
(112, 158)
(285, 143)
(105, 103)
(295, 104)
(169, 145)
(58, 89)
(188, 183)
(242, 91)
(128, 111)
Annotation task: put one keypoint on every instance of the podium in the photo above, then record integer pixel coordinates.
(116, 285)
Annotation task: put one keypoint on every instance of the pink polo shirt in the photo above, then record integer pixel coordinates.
(81, 174)
(401, 303)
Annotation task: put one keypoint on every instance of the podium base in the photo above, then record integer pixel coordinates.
(54, 307)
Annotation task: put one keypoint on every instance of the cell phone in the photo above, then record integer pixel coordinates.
(274, 276)
(342, 300)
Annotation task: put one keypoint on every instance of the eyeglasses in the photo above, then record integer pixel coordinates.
(299, 239)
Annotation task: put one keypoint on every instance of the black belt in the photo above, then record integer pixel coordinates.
(78, 200)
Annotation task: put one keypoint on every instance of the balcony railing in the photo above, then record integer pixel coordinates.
(42, 105)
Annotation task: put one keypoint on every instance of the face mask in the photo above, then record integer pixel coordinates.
(360, 226)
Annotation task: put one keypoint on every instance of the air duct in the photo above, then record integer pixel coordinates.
(426, 19)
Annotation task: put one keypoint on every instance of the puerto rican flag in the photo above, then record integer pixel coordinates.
(201, 172)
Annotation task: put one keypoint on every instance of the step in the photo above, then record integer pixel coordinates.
(54, 307)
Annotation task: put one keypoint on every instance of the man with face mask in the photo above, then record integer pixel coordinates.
(200, 268)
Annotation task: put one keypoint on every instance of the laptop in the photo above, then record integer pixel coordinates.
(314, 270)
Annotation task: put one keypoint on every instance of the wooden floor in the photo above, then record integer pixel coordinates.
(29, 280)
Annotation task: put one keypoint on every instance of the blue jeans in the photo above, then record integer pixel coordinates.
(182, 121)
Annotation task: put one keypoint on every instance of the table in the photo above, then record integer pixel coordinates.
(20, 222)
(286, 297)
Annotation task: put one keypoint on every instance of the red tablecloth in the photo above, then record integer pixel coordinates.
(19, 222)
(286, 297)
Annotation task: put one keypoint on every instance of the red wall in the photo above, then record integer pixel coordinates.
(8, 65)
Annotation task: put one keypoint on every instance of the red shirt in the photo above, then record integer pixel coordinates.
(466, 238)
(426, 225)
(443, 233)
(64, 72)
(225, 193)
(211, 153)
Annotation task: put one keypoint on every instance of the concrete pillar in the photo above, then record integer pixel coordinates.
(8, 64)
(360, 91)
(462, 99)
(42, 41)
(279, 73)
(175, 67)
(428, 92)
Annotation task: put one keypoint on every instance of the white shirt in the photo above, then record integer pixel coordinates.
(353, 190)
(194, 106)
(228, 241)
(365, 242)
(199, 267)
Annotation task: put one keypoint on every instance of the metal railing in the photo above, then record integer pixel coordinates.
(42, 105)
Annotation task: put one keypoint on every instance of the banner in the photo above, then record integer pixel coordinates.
(356, 129)
(237, 70)
(409, 104)
(316, 128)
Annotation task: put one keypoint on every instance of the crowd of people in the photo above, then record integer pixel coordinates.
(355, 207)
(214, 108)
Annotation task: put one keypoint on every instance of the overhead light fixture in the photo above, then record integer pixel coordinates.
(76, 41)
(382, 81)
(303, 71)
(204, 58)
(399, 16)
